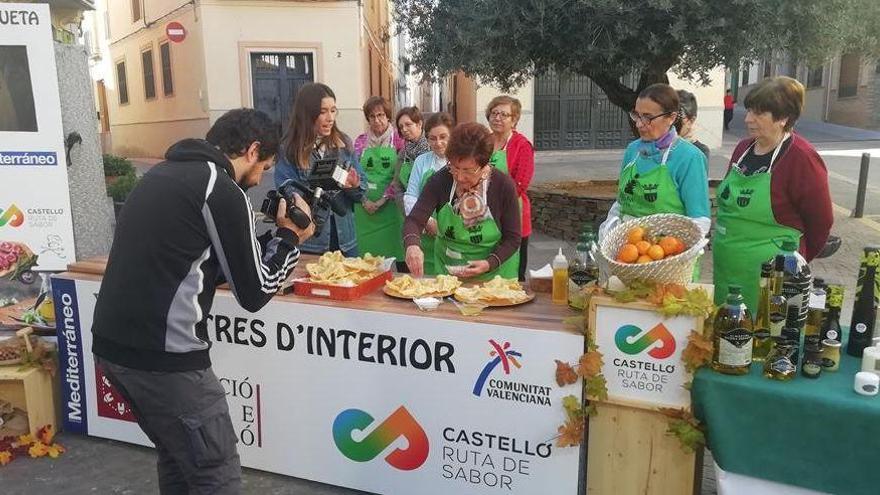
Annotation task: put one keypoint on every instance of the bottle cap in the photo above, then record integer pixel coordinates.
(866, 383)
(560, 260)
(766, 269)
(734, 289)
(779, 262)
(790, 246)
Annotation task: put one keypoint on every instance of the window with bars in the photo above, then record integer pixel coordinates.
(122, 83)
(149, 78)
(167, 80)
(814, 77)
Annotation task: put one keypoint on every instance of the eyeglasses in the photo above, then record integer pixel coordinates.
(497, 114)
(646, 119)
(377, 116)
(460, 172)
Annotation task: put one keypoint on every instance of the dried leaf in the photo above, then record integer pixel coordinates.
(596, 388)
(5, 457)
(55, 450)
(25, 439)
(565, 374)
(698, 352)
(573, 407)
(46, 434)
(571, 433)
(38, 449)
(590, 364)
(686, 427)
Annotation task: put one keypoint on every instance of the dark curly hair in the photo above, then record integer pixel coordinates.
(470, 140)
(237, 129)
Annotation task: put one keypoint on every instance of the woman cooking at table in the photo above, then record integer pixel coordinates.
(438, 127)
(776, 189)
(662, 173)
(513, 153)
(477, 212)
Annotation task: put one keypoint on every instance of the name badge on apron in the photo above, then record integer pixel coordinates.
(372, 186)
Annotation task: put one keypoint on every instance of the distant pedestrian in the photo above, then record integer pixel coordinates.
(687, 121)
(729, 103)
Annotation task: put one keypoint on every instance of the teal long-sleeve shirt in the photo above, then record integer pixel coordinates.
(687, 166)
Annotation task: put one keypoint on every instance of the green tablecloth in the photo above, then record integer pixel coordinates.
(817, 434)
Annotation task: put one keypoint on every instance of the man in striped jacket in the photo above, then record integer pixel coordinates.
(187, 225)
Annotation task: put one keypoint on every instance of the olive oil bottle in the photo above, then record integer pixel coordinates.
(778, 304)
(834, 302)
(815, 317)
(762, 344)
(733, 331)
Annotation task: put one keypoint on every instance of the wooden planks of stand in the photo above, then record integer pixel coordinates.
(540, 314)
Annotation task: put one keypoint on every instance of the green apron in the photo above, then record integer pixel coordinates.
(655, 192)
(459, 245)
(379, 234)
(428, 241)
(405, 172)
(746, 232)
(641, 195)
(498, 159)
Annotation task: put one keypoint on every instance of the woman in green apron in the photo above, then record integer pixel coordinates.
(661, 172)
(378, 220)
(438, 128)
(409, 123)
(514, 154)
(476, 209)
(776, 190)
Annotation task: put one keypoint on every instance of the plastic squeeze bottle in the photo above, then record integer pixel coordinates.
(560, 279)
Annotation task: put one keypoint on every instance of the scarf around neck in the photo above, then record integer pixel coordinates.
(384, 139)
(415, 148)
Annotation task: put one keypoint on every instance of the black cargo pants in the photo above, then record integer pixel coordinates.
(185, 414)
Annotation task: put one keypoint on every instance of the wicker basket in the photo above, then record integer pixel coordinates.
(674, 269)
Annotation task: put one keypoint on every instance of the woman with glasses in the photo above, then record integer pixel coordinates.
(513, 153)
(477, 212)
(378, 219)
(409, 123)
(662, 173)
(311, 135)
(776, 189)
(687, 123)
(438, 127)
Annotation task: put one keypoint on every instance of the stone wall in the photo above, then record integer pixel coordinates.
(562, 209)
(92, 209)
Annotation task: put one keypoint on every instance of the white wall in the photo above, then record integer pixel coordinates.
(710, 101)
(330, 30)
(526, 96)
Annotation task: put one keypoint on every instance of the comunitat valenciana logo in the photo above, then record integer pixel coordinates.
(11, 216)
(399, 424)
(629, 340)
(499, 355)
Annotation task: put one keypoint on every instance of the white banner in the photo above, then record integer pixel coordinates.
(34, 195)
(641, 351)
(382, 402)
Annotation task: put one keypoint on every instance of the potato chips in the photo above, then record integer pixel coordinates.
(334, 269)
(406, 286)
(498, 291)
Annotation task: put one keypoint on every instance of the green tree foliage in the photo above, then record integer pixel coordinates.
(507, 42)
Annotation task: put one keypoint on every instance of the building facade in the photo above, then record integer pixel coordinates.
(166, 69)
(845, 90)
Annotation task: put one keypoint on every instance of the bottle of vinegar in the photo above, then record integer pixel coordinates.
(861, 329)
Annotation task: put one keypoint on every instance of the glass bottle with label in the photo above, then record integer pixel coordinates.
(733, 329)
(762, 344)
(865, 308)
(815, 317)
(811, 367)
(778, 304)
(583, 268)
(792, 333)
(778, 365)
(831, 323)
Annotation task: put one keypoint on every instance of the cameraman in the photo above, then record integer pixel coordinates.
(187, 223)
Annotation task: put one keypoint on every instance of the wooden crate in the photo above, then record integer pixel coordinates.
(31, 390)
(629, 450)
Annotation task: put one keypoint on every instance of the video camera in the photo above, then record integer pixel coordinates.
(326, 175)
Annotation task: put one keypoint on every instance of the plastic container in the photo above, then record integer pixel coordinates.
(560, 279)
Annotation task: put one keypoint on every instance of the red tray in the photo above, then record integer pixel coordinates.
(309, 289)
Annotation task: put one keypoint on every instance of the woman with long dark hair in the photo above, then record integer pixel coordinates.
(312, 134)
